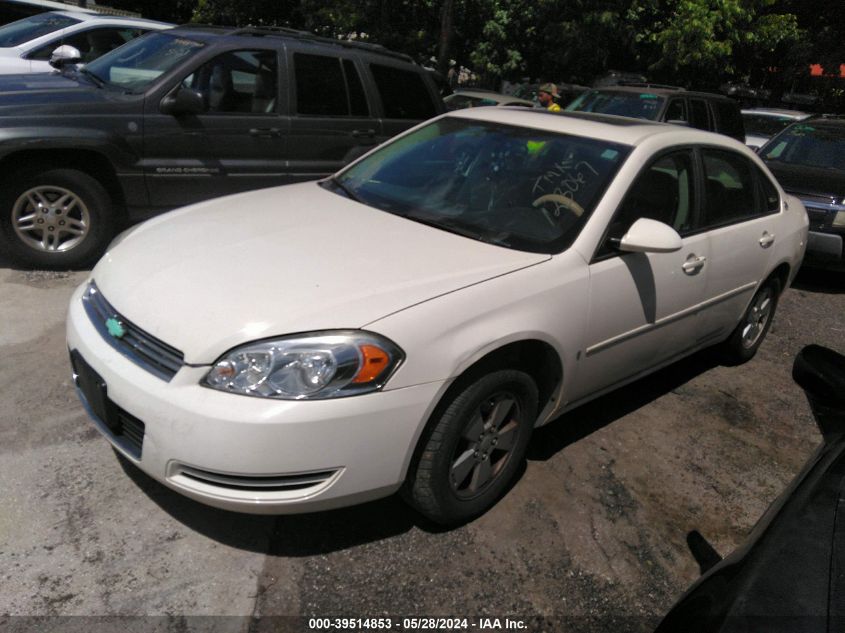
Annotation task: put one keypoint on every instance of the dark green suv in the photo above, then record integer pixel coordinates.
(181, 116)
(702, 110)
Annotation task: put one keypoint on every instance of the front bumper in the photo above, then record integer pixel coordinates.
(251, 454)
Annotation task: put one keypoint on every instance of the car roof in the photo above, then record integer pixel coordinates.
(488, 94)
(660, 90)
(209, 33)
(775, 112)
(102, 17)
(606, 127)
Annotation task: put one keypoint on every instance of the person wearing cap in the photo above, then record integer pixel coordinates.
(546, 94)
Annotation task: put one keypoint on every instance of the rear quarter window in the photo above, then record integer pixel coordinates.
(404, 93)
(728, 119)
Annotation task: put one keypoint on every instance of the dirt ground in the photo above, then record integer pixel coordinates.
(591, 537)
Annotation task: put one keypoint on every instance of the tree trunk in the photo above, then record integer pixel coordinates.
(446, 32)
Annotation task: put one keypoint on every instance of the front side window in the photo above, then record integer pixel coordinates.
(729, 191)
(32, 27)
(639, 105)
(243, 82)
(663, 192)
(91, 44)
(516, 187)
(404, 94)
(676, 110)
(139, 63)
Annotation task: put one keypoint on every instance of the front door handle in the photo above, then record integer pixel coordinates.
(767, 240)
(265, 131)
(693, 264)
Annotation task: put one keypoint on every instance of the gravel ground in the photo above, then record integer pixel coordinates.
(591, 537)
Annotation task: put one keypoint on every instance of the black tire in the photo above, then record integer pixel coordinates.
(78, 232)
(745, 340)
(448, 483)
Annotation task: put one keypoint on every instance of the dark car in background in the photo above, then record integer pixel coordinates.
(702, 110)
(808, 159)
(179, 116)
(789, 576)
(761, 124)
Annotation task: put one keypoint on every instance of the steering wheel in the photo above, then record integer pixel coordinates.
(559, 200)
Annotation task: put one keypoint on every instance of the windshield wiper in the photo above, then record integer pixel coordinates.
(453, 227)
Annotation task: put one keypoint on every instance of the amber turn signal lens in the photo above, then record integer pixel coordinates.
(375, 360)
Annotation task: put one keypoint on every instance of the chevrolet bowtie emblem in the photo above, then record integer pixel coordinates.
(115, 328)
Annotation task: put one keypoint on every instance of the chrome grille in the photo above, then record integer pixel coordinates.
(272, 483)
(145, 350)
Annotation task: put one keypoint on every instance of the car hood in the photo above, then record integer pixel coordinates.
(284, 260)
(33, 94)
(814, 181)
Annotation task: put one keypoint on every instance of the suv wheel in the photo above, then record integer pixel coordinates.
(474, 448)
(59, 218)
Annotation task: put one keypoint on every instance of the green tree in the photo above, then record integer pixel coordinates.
(706, 42)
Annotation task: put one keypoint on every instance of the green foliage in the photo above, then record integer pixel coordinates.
(701, 43)
(710, 41)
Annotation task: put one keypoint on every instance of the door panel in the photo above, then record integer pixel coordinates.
(643, 311)
(331, 123)
(741, 223)
(644, 306)
(238, 144)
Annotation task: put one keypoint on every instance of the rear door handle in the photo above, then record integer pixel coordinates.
(693, 264)
(767, 240)
(265, 131)
(363, 133)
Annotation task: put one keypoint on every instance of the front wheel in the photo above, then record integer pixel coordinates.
(60, 218)
(474, 447)
(749, 334)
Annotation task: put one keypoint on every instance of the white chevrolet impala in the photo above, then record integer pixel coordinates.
(406, 323)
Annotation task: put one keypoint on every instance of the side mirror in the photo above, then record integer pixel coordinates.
(183, 101)
(650, 236)
(65, 55)
(820, 372)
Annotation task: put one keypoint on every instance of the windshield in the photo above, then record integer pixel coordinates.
(639, 105)
(35, 26)
(808, 145)
(521, 188)
(765, 125)
(138, 63)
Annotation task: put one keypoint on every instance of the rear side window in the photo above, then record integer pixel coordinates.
(730, 189)
(699, 118)
(328, 86)
(404, 94)
(728, 119)
(769, 197)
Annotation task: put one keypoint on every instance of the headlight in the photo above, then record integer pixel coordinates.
(307, 366)
(839, 219)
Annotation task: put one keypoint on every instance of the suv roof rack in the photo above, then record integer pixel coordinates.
(640, 84)
(282, 31)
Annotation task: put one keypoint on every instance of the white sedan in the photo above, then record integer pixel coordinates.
(27, 45)
(406, 323)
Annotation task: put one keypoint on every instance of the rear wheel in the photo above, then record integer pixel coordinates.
(474, 448)
(749, 334)
(61, 218)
